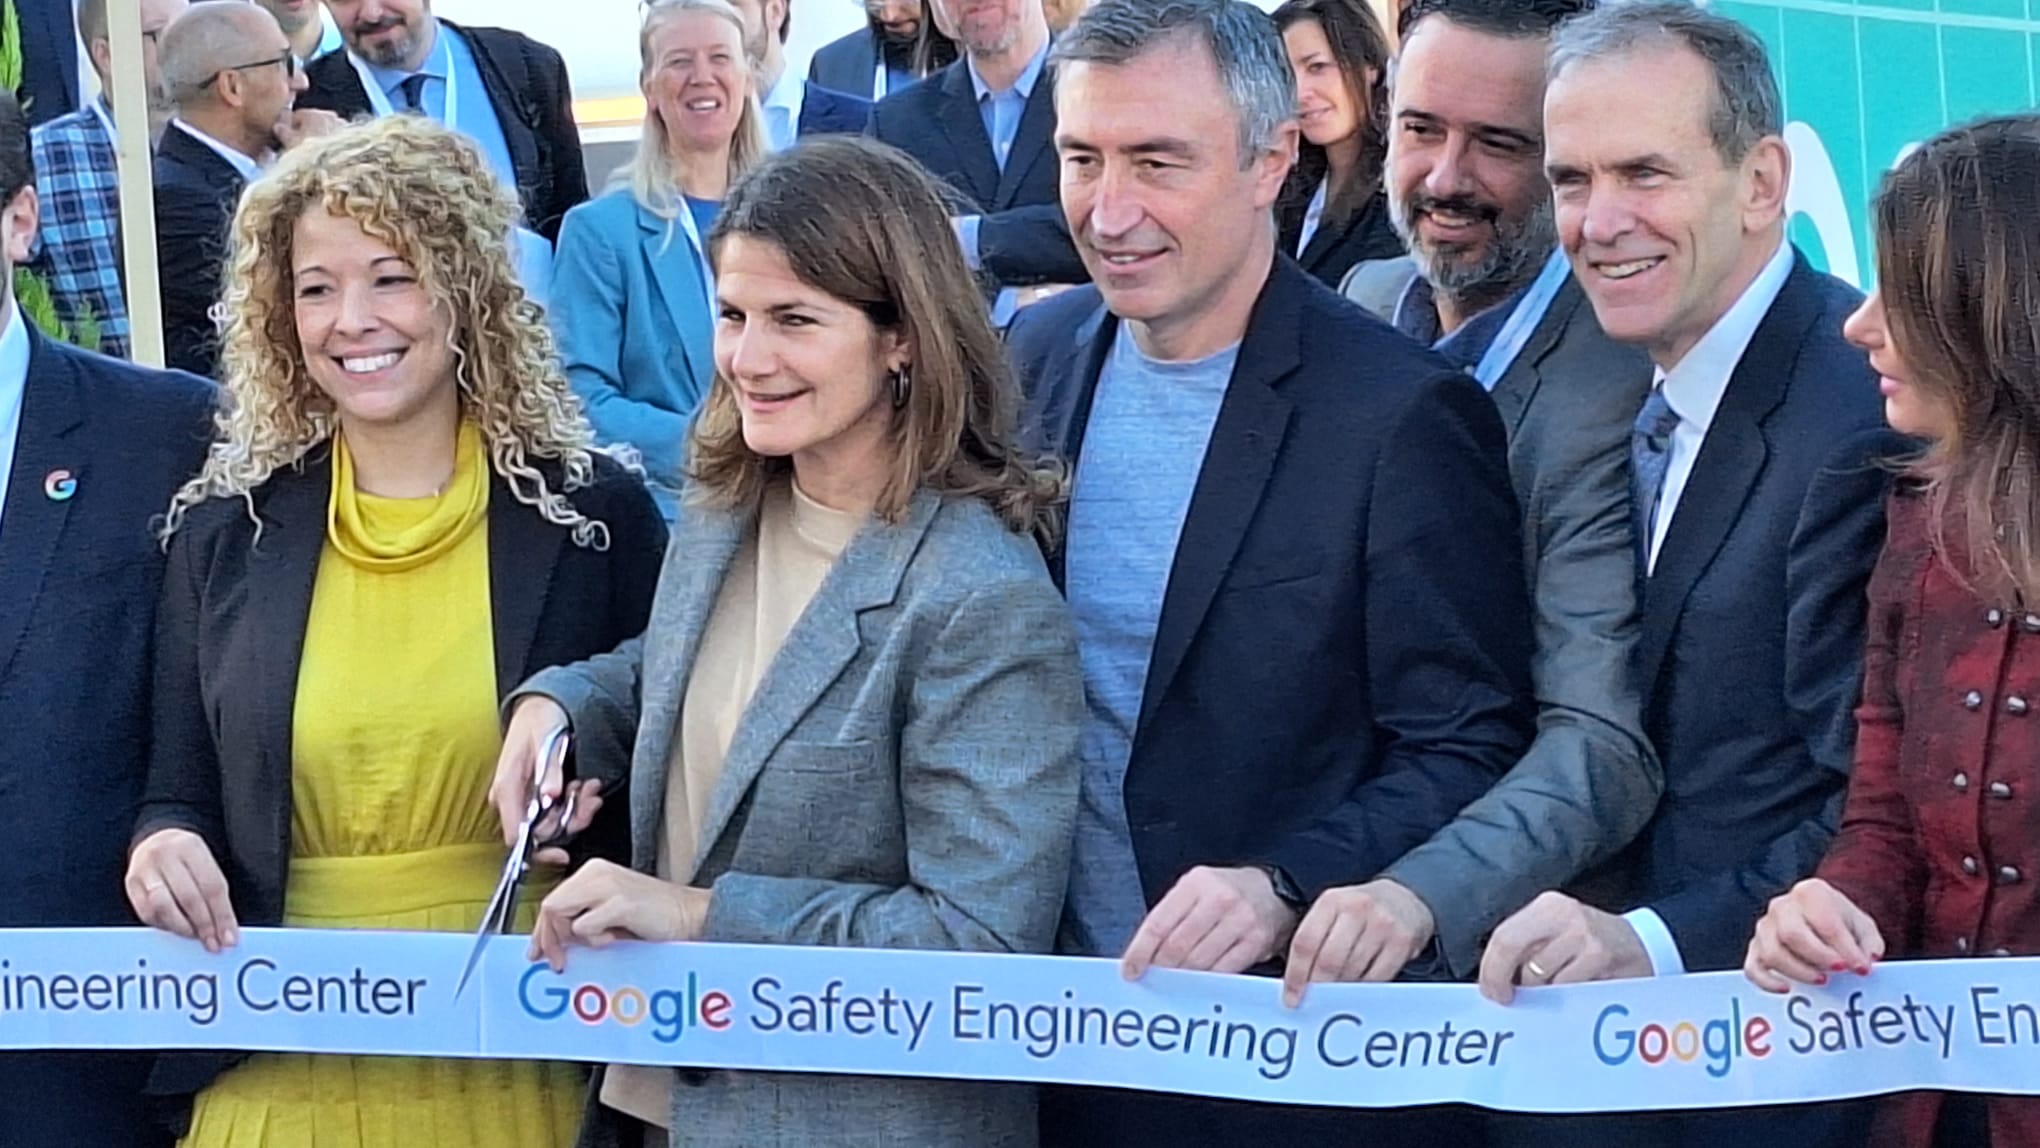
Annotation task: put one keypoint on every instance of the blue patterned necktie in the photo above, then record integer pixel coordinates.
(1650, 451)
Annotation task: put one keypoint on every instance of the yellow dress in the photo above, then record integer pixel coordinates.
(394, 742)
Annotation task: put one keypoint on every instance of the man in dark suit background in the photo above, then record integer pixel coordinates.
(506, 91)
(232, 76)
(1758, 505)
(1292, 552)
(1496, 297)
(877, 59)
(985, 126)
(794, 107)
(90, 450)
(49, 58)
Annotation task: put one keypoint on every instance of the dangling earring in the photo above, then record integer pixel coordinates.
(901, 380)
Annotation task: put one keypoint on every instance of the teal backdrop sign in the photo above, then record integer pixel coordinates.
(1863, 82)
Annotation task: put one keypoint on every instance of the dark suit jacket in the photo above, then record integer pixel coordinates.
(1750, 664)
(848, 64)
(823, 111)
(1344, 647)
(1590, 781)
(1335, 247)
(534, 101)
(196, 193)
(1023, 238)
(230, 633)
(78, 585)
(49, 58)
(1752, 647)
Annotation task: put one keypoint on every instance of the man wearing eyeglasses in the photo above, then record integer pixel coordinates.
(231, 72)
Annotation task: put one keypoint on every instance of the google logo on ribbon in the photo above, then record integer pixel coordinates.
(672, 1011)
(1722, 1040)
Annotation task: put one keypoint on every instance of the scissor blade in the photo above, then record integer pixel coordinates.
(474, 959)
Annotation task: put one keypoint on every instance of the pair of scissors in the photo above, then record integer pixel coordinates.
(547, 822)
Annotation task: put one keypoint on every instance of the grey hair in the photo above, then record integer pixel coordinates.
(1747, 108)
(1252, 62)
(206, 39)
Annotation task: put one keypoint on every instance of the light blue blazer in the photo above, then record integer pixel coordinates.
(631, 308)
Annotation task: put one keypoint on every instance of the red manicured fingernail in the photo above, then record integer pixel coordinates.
(1841, 967)
(1821, 979)
(1864, 971)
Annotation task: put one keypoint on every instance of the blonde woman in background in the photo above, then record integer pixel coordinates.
(631, 288)
(401, 517)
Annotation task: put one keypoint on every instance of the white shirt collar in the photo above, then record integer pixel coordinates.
(1696, 383)
(13, 354)
(249, 168)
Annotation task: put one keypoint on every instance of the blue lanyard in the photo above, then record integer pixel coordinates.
(1522, 321)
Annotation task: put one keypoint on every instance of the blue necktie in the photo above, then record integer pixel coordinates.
(413, 90)
(1650, 452)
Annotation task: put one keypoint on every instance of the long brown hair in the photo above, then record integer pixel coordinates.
(1958, 265)
(1359, 45)
(862, 222)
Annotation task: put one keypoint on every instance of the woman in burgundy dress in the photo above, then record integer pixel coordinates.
(1939, 849)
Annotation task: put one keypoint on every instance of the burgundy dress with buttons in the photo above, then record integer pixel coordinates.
(1940, 839)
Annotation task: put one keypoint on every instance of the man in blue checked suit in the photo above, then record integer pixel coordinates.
(78, 182)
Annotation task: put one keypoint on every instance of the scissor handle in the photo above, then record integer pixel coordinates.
(552, 754)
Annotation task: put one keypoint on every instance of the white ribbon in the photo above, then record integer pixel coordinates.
(1682, 1042)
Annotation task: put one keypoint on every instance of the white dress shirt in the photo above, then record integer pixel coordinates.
(1694, 388)
(13, 385)
(246, 165)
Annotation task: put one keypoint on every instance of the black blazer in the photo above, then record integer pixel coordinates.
(79, 577)
(534, 101)
(1023, 237)
(230, 631)
(823, 111)
(1344, 646)
(196, 193)
(1335, 247)
(848, 64)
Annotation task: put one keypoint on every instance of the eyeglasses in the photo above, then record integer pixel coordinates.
(288, 59)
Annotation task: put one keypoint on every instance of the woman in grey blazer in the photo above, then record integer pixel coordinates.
(853, 718)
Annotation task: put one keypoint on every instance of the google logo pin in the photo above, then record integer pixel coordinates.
(59, 486)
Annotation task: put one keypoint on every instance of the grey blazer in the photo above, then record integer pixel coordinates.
(904, 777)
(1590, 781)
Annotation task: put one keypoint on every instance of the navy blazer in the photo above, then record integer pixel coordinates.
(1751, 654)
(78, 583)
(196, 193)
(1750, 663)
(1344, 645)
(848, 64)
(49, 58)
(823, 112)
(1023, 237)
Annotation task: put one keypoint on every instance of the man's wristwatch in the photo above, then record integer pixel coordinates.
(1286, 889)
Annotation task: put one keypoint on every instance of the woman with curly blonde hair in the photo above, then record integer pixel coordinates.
(400, 517)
